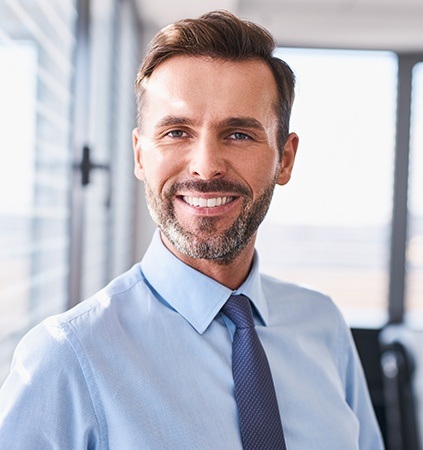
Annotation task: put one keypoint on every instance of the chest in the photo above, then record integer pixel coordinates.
(177, 391)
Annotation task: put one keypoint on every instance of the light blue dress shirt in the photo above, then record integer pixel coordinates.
(146, 364)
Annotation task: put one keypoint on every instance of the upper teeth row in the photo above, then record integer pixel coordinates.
(207, 202)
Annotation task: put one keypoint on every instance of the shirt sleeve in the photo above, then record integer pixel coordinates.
(46, 403)
(358, 397)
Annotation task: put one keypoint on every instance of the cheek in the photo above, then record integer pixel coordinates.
(259, 174)
(160, 173)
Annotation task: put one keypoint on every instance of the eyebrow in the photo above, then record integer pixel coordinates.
(242, 122)
(167, 121)
(231, 122)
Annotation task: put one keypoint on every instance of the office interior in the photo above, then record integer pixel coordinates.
(349, 223)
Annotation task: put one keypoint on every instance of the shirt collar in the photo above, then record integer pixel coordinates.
(192, 294)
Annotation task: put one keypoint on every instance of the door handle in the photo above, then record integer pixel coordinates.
(87, 165)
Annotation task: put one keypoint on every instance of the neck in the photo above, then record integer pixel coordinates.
(231, 275)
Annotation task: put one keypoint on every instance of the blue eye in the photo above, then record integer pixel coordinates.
(176, 134)
(239, 136)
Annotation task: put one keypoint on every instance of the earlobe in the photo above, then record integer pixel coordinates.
(138, 167)
(288, 158)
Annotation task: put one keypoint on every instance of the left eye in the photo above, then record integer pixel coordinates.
(239, 136)
(176, 133)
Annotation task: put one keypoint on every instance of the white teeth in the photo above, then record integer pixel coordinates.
(207, 202)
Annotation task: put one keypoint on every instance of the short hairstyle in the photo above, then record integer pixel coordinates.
(220, 34)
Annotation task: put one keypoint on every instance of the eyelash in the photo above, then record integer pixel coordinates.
(245, 137)
(181, 132)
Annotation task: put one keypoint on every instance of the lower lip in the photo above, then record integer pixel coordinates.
(213, 211)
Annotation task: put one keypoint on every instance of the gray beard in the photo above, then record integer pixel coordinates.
(221, 248)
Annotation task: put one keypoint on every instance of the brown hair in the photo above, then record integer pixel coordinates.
(220, 34)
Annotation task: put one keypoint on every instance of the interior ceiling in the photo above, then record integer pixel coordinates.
(380, 24)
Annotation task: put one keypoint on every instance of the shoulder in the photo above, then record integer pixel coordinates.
(304, 310)
(284, 293)
(62, 335)
(106, 303)
(37, 355)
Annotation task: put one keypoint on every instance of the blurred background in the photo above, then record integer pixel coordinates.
(350, 222)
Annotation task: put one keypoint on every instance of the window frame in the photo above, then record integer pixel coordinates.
(397, 269)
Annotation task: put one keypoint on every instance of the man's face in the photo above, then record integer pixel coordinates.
(207, 151)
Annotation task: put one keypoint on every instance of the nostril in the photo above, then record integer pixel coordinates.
(207, 173)
(207, 176)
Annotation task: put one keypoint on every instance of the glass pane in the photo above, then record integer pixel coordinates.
(329, 227)
(36, 48)
(127, 58)
(96, 257)
(109, 198)
(414, 287)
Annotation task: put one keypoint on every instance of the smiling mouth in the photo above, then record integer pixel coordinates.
(207, 202)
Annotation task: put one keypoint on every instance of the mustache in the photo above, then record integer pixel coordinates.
(209, 186)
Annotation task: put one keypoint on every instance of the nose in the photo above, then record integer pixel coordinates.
(207, 159)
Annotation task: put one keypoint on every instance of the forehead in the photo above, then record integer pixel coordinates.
(211, 86)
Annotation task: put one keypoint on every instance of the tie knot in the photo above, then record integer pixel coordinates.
(238, 309)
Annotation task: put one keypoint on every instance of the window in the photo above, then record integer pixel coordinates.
(330, 226)
(109, 199)
(56, 98)
(414, 286)
(36, 47)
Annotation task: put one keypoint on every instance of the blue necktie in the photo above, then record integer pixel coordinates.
(259, 418)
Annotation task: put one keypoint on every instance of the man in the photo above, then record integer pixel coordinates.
(147, 362)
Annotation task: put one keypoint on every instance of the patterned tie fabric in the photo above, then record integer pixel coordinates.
(260, 422)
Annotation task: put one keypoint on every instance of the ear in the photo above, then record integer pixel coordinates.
(288, 158)
(138, 167)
